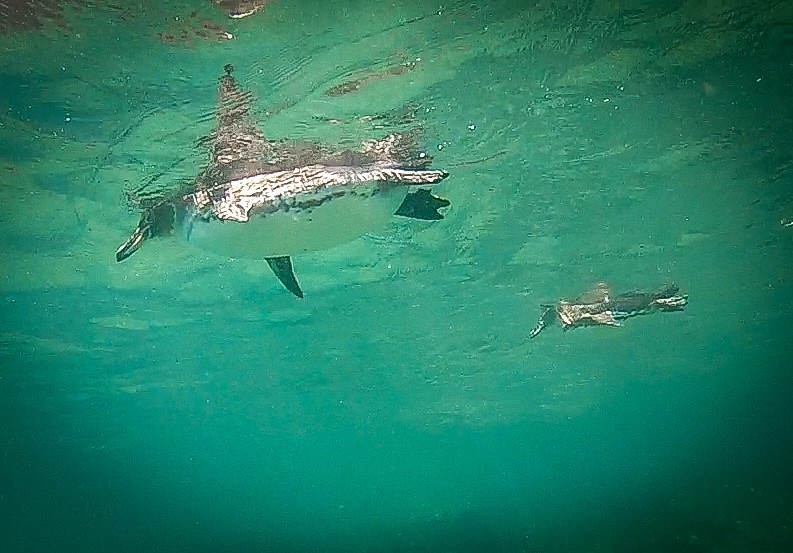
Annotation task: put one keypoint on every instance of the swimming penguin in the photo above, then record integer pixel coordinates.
(237, 9)
(600, 307)
(267, 199)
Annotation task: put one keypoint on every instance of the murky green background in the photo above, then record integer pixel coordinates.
(182, 401)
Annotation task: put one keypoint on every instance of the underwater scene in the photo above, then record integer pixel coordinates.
(422, 276)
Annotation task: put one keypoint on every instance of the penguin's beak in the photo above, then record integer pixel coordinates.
(133, 243)
(156, 221)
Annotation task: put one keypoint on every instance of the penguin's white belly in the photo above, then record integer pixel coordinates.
(294, 231)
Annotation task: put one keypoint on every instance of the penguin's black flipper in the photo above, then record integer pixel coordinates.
(282, 267)
(422, 204)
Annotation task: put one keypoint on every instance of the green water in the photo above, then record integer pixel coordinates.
(183, 401)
